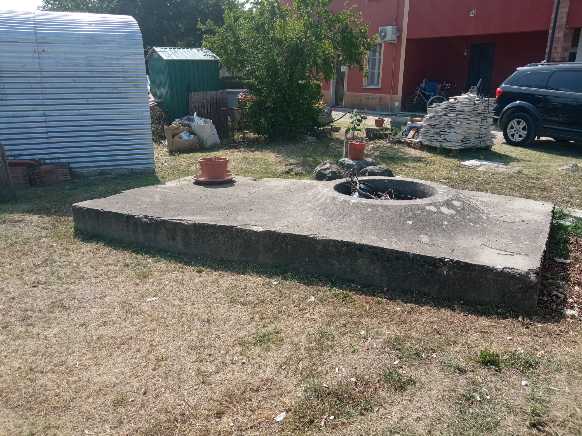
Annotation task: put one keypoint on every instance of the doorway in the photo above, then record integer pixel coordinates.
(481, 60)
(339, 91)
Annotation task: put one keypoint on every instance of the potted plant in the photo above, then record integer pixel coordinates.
(355, 144)
(213, 170)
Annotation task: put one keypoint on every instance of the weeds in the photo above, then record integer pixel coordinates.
(397, 381)
(341, 401)
(405, 350)
(477, 412)
(322, 339)
(455, 366)
(522, 361)
(563, 227)
(344, 296)
(519, 360)
(490, 359)
(538, 411)
(264, 339)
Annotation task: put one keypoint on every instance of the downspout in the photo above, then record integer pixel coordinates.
(553, 32)
(403, 52)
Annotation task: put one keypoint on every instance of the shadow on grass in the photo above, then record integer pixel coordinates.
(342, 286)
(562, 148)
(57, 200)
(462, 155)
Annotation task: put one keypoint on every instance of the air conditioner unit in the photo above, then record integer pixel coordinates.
(389, 33)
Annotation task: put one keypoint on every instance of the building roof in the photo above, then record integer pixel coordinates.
(185, 54)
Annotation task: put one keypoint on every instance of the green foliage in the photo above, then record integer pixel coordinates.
(563, 227)
(355, 127)
(281, 53)
(490, 359)
(167, 23)
(522, 361)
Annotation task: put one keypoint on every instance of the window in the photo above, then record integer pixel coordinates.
(529, 79)
(374, 64)
(569, 81)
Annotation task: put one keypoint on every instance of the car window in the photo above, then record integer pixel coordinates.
(570, 81)
(529, 79)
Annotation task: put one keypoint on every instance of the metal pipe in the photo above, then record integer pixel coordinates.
(553, 31)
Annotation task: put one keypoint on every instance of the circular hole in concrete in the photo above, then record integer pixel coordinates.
(386, 189)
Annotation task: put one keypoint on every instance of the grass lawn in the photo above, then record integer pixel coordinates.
(97, 339)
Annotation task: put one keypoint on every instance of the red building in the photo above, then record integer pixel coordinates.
(457, 41)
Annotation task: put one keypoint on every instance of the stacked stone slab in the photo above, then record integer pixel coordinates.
(459, 123)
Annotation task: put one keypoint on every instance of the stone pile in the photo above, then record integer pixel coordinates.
(459, 123)
(368, 167)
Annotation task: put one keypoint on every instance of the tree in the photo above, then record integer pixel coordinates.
(163, 23)
(282, 52)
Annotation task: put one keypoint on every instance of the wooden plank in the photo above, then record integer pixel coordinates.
(212, 105)
(6, 189)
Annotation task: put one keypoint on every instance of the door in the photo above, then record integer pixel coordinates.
(564, 102)
(481, 60)
(340, 78)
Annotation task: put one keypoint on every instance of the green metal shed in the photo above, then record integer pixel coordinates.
(176, 72)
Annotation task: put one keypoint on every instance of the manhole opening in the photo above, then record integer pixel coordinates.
(385, 189)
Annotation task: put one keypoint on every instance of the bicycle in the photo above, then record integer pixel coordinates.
(429, 93)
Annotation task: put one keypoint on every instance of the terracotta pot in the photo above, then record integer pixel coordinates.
(379, 122)
(213, 169)
(356, 150)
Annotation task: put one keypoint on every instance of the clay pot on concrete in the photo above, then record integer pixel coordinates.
(379, 122)
(213, 170)
(356, 150)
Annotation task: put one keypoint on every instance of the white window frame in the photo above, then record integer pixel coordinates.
(379, 58)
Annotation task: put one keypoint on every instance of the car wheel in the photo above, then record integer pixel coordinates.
(519, 129)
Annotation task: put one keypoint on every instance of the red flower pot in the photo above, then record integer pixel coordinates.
(379, 122)
(356, 150)
(213, 170)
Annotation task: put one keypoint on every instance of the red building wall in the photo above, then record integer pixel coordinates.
(443, 18)
(375, 13)
(575, 15)
(447, 59)
(440, 34)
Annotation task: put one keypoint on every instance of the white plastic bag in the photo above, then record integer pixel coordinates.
(186, 136)
(205, 130)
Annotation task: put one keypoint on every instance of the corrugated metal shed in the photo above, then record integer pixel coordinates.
(185, 54)
(176, 72)
(73, 89)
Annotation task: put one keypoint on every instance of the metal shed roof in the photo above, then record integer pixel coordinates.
(185, 54)
(73, 89)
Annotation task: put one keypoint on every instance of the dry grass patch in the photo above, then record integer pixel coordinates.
(476, 411)
(397, 381)
(99, 339)
(322, 404)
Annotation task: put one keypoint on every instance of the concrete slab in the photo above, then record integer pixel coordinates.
(456, 245)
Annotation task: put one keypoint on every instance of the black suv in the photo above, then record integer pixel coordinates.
(541, 100)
